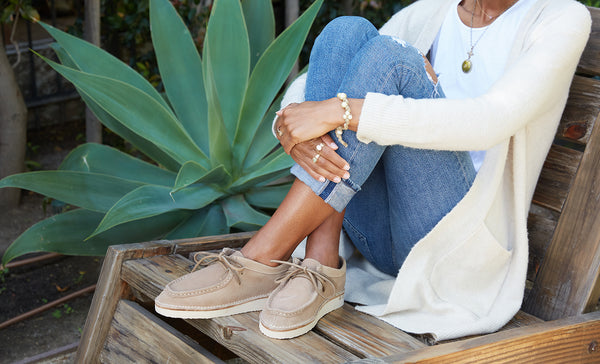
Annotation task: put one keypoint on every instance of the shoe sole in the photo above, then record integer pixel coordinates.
(255, 305)
(334, 304)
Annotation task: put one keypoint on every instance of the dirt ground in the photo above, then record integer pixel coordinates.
(33, 285)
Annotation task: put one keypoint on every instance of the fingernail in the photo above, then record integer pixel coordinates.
(333, 146)
(346, 175)
(321, 179)
(347, 167)
(337, 180)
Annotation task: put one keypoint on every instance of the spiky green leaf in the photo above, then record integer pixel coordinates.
(260, 22)
(267, 196)
(181, 74)
(274, 166)
(227, 48)
(107, 120)
(192, 172)
(147, 201)
(219, 145)
(268, 76)
(204, 222)
(138, 111)
(92, 191)
(241, 215)
(98, 158)
(65, 234)
(94, 60)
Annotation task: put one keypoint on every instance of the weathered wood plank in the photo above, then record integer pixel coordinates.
(566, 284)
(108, 292)
(521, 319)
(365, 335)
(110, 288)
(184, 247)
(590, 60)
(137, 336)
(238, 333)
(540, 226)
(570, 340)
(556, 177)
(580, 113)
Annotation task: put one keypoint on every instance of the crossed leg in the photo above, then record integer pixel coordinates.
(302, 213)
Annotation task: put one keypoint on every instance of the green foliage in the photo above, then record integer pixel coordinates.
(125, 29)
(216, 167)
(594, 3)
(23, 8)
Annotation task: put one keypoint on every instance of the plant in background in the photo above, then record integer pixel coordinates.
(376, 11)
(210, 134)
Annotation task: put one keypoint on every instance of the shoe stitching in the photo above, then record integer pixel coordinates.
(225, 305)
(196, 292)
(276, 312)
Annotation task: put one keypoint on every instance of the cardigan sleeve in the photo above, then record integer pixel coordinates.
(538, 78)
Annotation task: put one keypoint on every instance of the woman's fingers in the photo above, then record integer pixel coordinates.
(320, 161)
(297, 123)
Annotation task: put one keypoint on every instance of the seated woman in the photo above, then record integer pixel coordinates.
(431, 179)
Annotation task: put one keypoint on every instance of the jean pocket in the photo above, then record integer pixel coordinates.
(472, 274)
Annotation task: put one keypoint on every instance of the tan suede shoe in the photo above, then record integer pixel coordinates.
(308, 292)
(228, 284)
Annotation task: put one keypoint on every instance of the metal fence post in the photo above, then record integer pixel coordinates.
(292, 11)
(93, 128)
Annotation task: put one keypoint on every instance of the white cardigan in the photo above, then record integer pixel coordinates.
(467, 276)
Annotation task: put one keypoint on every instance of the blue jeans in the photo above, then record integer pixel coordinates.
(395, 195)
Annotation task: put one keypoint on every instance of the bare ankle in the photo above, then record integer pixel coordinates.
(257, 257)
(329, 260)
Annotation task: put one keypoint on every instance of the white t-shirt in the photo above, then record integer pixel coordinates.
(492, 45)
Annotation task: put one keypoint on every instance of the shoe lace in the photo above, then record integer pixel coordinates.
(297, 270)
(224, 257)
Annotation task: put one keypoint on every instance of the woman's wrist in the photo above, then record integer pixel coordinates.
(337, 112)
(356, 107)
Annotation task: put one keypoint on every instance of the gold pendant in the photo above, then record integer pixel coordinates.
(466, 66)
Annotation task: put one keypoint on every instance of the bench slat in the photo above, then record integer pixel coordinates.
(590, 60)
(580, 113)
(239, 333)
(567, 340)
(138, 336)
(566, 284)
(556, 177)
(365, 335)
(540, 226)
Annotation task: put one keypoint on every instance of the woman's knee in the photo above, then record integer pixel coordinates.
(347, 29)
(393, 50)
(389, 60)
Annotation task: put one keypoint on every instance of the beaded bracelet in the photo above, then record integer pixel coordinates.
(347, 117)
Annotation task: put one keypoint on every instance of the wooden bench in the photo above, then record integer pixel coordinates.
(557, 322)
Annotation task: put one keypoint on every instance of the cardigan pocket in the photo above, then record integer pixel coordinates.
(472, 274)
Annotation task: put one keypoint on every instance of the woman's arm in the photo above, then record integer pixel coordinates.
(532, 85)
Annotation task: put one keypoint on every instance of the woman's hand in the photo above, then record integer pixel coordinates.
(297, 123)
(319, 158)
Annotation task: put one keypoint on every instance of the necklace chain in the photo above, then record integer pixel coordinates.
(467, 63)
(489, 17)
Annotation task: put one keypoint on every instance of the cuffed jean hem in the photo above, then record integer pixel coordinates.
(336, 195)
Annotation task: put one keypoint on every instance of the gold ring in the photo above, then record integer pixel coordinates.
(316, 158)
(319, 147)
(279, 132)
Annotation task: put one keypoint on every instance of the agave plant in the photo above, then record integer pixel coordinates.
(209, 134)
